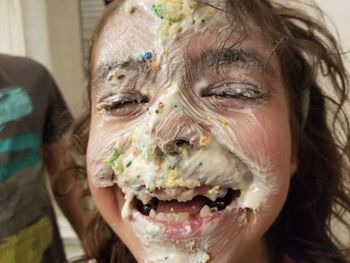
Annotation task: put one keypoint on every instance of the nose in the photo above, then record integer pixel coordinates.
(174, 132)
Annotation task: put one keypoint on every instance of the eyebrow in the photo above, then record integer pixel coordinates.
(130, 64)
(211, 58)
(231, 56)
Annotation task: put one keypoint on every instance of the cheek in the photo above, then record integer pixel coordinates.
(263, 138)
(108, 200)
(102, 138)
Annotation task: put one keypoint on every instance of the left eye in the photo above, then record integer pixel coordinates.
(238, 91)
(122, 105)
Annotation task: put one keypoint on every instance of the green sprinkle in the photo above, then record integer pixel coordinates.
(158, 9)
(172, 12)
(116, 152)
(157, 111)
(110, 160)
(128, 164)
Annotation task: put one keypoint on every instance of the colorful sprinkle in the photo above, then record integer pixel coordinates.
(155, 66)
(210, 118)
(225, 123)
(148, 55)
(128, 164)
(204, 140)
(114, 156)
(158, 9)
(161, 104)
(157, 111)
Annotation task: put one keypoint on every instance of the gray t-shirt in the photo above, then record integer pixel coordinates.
(32, 112)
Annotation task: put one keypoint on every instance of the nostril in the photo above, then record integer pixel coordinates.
(173, 148)
(181, 143)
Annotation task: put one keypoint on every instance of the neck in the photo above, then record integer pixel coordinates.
(258, 253)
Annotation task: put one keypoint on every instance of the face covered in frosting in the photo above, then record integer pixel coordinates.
(189, 156)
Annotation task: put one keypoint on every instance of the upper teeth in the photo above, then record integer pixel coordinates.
(182, 195)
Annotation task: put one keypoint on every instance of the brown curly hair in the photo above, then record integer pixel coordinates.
(312, 68)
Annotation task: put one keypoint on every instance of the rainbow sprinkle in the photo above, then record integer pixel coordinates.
(224, 122)
(155, 66)
(204, 140)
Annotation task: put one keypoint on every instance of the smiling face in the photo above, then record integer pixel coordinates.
(189, 155)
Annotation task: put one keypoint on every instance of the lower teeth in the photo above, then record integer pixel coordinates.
(171, 217)
(205, 211)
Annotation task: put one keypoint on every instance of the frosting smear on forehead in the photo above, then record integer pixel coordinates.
(176, 16)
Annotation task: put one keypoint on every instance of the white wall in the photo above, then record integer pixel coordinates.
(339, 12)
(66, 50)
(36, 31)
(11, 28)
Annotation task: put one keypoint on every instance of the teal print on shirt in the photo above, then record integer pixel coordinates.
(19, 152)
(15, 103)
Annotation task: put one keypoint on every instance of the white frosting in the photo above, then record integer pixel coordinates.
(157, 250)
(146, 160)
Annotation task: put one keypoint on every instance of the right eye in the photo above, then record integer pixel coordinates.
(123, 105)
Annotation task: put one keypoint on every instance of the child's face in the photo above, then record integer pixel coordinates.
(189, 155)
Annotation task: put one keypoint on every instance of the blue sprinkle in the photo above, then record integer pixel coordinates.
(148, 55)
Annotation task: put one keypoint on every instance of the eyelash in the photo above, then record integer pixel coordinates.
(236, 91)
(122, 105)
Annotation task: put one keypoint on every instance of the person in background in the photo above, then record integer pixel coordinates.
(33, 117)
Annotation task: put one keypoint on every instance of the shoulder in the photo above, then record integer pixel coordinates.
(22, 67)
(10, 61)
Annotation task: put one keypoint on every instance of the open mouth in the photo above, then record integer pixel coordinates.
(196, 207)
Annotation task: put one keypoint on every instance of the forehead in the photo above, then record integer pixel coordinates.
(127, 33)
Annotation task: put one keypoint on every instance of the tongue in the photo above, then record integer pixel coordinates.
(192, 207)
